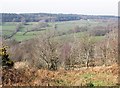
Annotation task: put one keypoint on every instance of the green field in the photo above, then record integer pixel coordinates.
(9, 27)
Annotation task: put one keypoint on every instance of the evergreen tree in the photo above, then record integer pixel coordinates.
(6, 61)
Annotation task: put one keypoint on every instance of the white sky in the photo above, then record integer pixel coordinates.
(87, 7)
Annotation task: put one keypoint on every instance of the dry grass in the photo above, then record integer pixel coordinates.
(99, 76)
(21, 65)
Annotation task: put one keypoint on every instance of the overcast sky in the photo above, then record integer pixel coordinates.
(87, 7)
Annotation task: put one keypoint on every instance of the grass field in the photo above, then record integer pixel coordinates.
(9, 27)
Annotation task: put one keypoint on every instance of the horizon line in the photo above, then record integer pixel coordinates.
(58, 13)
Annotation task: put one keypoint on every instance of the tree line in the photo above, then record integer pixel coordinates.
(48, 17)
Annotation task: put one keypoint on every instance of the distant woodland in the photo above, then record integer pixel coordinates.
(48, 17)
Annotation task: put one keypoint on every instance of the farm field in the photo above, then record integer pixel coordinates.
(9, 27)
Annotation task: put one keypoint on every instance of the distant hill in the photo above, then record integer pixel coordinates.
(48, 17)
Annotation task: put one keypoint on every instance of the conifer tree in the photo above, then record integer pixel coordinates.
(6, 61)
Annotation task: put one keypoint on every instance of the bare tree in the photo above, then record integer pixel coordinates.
(109, 48)
(48, 49)
(87, 49)
(70, 54)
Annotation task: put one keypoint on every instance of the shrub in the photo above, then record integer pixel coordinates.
(90, 84)
(6, 61)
